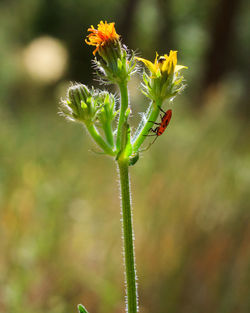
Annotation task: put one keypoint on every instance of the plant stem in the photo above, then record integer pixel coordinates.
(124, 105)
(99, 140)
(145, 125)
(107, 127)
(127, 225)
(128, 236)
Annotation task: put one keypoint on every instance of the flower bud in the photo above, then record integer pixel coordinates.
(80, 104)
(106, 113)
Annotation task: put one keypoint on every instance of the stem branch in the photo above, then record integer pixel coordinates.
(144, 126)
(99, 140)
(107, 127)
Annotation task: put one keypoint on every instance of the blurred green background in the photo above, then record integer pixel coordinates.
(60, 241)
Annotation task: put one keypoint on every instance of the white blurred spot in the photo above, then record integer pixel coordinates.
(45, 59)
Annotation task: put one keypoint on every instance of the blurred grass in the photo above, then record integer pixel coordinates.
(60, 228)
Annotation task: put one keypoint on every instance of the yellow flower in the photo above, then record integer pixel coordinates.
(163, 64)
(104, 34)
(164, 81)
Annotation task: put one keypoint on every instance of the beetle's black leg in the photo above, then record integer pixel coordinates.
(155, 123)
(161, 109)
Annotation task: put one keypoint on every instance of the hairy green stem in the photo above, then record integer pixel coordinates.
(107, 127)
(127, 226)
(145, 125)
(128, 236)
(99, 140)
(124, 105)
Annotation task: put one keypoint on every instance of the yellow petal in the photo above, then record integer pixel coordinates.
(165, 64)
(179, 67)
(173, 57)
(156, 58)
(151, 66)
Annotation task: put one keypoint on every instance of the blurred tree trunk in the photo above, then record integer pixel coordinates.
(126, 22)
(165, 40)
(222, 36)
(245, 99)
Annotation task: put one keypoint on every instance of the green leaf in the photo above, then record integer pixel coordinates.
(128, 146)
(81, 309)
(133, 159)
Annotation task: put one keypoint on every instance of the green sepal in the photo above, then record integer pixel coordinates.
(146, 79)
(81, 309)
(119, 64)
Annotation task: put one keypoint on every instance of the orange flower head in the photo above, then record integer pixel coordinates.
(104, 34)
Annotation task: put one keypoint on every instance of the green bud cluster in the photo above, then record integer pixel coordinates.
(94, 109)
(80, 104)
(88, 105)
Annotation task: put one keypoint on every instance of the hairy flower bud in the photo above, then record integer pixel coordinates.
(106, 113)
(80, 104)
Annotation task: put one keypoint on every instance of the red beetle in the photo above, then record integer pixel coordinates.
(165, 119)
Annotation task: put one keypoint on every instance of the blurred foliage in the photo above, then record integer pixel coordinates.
(59, 217)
